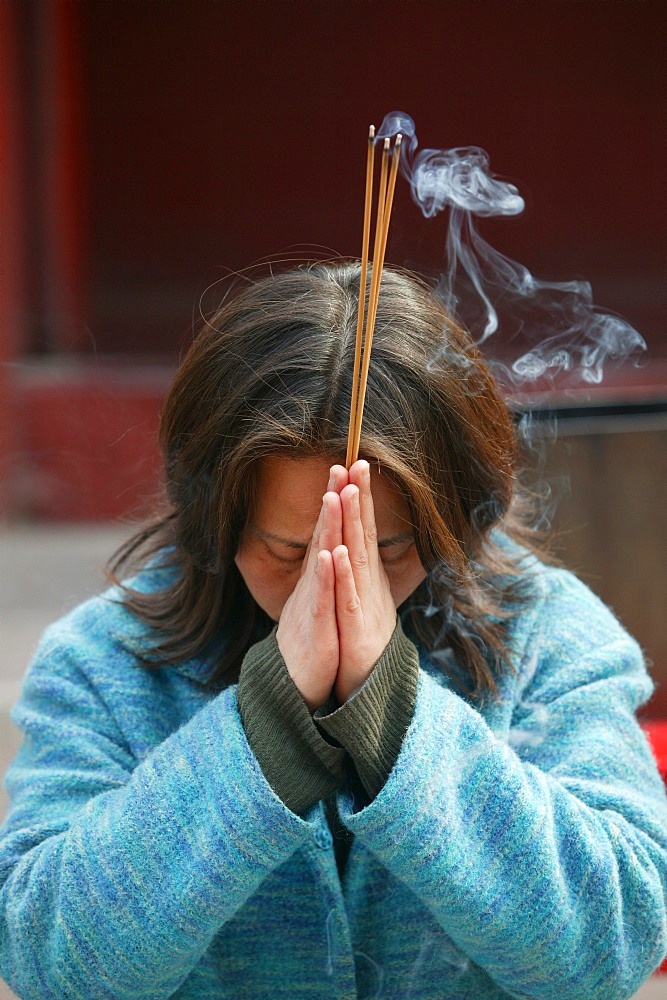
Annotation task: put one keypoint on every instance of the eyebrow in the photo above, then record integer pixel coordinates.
(385, 543)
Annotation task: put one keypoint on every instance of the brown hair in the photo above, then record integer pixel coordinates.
(271, 372)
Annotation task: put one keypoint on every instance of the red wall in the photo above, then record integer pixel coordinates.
(151, 149)
(220, 133)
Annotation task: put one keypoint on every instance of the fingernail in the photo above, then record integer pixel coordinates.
(331, 479)
(367, 470)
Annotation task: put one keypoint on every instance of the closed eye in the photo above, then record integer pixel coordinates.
(297, 549)
(394, 553)
(296, 561)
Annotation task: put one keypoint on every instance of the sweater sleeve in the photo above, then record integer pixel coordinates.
(373, 723)
(299, 764)
(115, 875)
(302, 766)
(542, 850)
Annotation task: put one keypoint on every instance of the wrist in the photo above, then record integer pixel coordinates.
(313, 682)
(351, 677)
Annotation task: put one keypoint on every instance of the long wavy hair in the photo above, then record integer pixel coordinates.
(271, 373)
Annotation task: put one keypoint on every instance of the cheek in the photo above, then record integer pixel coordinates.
(404, 578)
(269, 586)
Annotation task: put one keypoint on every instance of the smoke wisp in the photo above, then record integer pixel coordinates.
(557, 330)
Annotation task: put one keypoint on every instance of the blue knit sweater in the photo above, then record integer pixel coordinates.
(519, 850)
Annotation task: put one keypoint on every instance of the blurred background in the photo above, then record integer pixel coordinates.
(149, 149)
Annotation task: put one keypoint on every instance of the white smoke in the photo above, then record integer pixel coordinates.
(559, 329)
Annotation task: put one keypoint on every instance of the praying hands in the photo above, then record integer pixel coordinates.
(341, 615)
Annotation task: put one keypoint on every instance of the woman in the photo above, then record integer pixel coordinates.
(455, 801)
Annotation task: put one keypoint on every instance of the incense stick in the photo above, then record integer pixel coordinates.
(368, 206)
(365, 339)
(362, 338)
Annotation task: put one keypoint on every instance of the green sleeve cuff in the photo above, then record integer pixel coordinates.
(371, 726)
(299, 764)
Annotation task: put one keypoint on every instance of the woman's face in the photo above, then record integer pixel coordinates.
(278, 530)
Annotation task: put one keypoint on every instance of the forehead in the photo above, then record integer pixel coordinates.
(290, 491)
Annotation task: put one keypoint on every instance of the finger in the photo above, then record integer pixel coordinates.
(324, 597)
(360, 475)
(310, 558)
(348, 605)
(306, 559)
(354, 539)
(327, 533)
(331, 533)
(338, 478)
